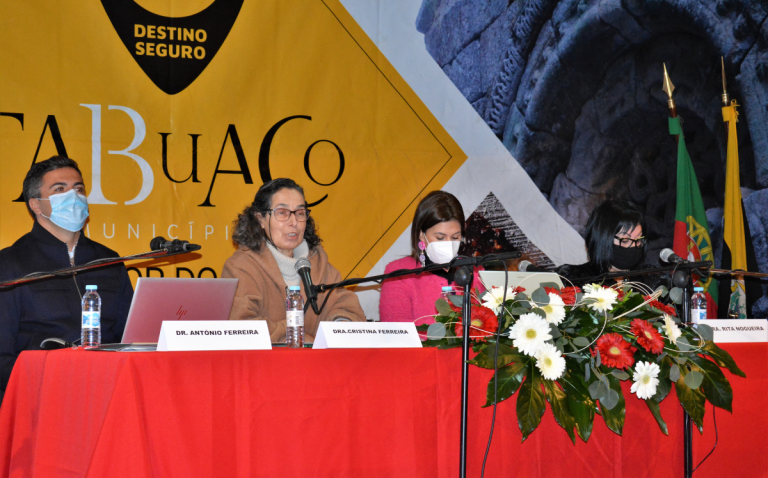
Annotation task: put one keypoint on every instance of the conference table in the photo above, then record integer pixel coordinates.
(302, 412)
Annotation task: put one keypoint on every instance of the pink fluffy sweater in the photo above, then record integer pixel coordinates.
(412, 298)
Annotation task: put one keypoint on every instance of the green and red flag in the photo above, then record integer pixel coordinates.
(692, 240)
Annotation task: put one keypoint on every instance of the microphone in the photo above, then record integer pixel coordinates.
(172, 246)
(528, 266)
(303, 267)
(668, 255)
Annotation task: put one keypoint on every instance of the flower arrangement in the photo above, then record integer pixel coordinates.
(573, 348)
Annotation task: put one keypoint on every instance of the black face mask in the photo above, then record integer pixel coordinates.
(626, 258)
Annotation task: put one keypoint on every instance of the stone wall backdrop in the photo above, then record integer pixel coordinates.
(573, 88)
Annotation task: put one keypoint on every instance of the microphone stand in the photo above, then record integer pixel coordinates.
(463, 277)
(107, 261)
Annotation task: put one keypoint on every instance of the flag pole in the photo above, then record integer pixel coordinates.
(687, 424)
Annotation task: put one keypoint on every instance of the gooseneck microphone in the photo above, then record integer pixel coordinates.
(175, 245)
(303, 267)
(669, 256)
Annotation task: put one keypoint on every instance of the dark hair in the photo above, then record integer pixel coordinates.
(34, 179)
(436, 207)
(607, 220)
(248, 231)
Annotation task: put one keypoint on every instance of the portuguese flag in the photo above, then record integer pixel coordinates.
(691, 228)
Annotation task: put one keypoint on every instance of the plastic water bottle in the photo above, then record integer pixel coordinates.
(294, 317)
(91, 324)
(698, 305)
(447, 290)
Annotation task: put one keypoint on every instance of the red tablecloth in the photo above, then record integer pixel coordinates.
(72, 413)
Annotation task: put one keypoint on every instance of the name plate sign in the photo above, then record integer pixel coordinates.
(366, 335)
(177, 335)
(738, 330)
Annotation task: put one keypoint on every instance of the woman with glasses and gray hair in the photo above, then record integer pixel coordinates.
(272, 234)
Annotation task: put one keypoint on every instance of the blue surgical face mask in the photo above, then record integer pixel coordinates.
(69, 210)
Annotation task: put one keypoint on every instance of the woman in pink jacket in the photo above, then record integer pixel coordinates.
(436, 234)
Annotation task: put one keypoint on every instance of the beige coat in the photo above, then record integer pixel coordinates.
(261, 292)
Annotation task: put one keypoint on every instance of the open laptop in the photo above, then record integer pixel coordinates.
(159, 299)
(530, 281)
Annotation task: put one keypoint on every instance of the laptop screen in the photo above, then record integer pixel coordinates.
(159, 299)
(530, 281)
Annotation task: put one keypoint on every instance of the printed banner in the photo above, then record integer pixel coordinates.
(177, 114)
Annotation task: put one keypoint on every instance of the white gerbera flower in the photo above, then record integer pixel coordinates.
(646, 380)
(555, 310)
(492, 298)
(529, 333)
(605, 297)
(671, 329)
(550, 361)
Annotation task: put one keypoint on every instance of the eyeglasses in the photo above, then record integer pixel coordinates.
(629, 242)
(282, 214)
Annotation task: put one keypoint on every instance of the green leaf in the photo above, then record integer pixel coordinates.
(518, 310)
(715, 386)
(540, 297)
(580, 404)
(558, 402)
(653, 406)
(581, 341)
(674, 372)
(554, 331)
(584, 415)
(693, 401)
(509, 380)
(665, 384)
(507, 355)
(694, 378)
(610, 400)
(722, 358)
(663, 289)
(614, 416)
(442, 307)
(436, 331)
(705, 331)
(539, 312)
(457, 300)
(530, 404)
(676, 295)
(683, 345)
(620, 374)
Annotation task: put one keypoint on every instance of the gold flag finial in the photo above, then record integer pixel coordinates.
(724, 97)
(668, 87)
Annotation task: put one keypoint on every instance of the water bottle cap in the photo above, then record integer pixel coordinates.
(294, 287)
(447, 288)
(698, 289)
(91, 287)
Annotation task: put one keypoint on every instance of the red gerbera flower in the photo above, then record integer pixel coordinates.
(568, 294)
(615, 351)
(669, 310)
(647, 336)
(483, 323)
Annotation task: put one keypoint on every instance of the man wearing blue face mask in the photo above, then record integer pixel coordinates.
(29, 313)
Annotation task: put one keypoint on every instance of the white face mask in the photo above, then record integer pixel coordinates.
(441, 252)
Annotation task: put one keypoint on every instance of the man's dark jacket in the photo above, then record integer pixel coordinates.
(32, 312)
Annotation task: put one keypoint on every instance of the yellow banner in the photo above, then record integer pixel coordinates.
(176, 115)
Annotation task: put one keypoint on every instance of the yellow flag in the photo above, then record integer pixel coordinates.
(734, 247)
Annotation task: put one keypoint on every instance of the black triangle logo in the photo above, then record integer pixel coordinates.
(172, 51)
